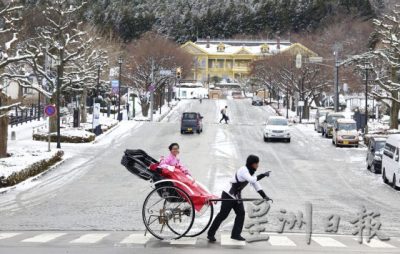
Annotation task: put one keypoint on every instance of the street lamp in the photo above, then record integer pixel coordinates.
(98, 78)
(367, 68)
(57, 63)
(119, 88)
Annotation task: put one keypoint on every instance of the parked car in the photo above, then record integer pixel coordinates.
(191, 122)
(320, 115)
(277, 127)
(327, 127)
(374, 153)
(345, 133)
(390, 161)
(257, 101)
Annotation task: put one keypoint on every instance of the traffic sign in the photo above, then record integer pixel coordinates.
(50, 110)
(315, 59)
(152, 88)
(165, 72)
(299, 60)
(115, 86)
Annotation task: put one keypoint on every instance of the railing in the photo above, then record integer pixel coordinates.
(19, 115)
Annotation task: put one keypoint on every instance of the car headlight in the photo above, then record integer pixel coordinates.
(377, 158)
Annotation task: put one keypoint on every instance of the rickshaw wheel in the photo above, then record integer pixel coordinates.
(202, 219)
(168, 212)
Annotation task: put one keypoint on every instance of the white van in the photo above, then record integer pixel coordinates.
(390, 161)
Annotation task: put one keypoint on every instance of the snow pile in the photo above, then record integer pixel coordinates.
(71, 133)
(68, 135)
(22, 158)
(157, 117)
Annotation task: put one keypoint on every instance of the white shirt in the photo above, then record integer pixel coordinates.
(243, 175)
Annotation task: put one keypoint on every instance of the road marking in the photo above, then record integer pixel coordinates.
(8, 235)
(136, 239)
(327, 242)
(280, 241)
(376, 243)
(226, 240)
(89, 238)
(184, 241)
(43, 238)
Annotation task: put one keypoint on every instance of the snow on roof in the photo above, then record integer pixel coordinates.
(234, 49)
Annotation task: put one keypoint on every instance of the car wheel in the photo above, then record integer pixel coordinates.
(198, 131)
(265, 139)
(288, 140)
(385, 180)
(368, 166)
(182, 132)
(394, 182)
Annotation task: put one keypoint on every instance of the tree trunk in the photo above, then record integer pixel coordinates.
(53, 119)
(83, 106)
(293, 107)
(306, 110)
(394, 112)
(3, 134)
(145, 108)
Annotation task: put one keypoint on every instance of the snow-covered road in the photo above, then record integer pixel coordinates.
(93, 191)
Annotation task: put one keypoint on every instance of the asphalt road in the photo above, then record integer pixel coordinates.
(94, 192)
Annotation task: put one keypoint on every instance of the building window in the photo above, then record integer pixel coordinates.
(264, 48)
(220, 63)
(221, 47)
(229, 64)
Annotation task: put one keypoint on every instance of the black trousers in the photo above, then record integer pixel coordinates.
(224, 117)
(226, 207)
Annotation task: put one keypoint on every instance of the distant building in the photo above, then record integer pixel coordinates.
(229, 60)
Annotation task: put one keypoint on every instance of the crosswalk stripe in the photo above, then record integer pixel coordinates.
(89, 238)
(280, 241)
(327, 242)
(184, 241)
(136, 239)
(8, 235)
(43, 238)
(376, 243)
(226, 240)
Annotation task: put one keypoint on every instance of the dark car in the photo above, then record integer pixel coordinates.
(327, 126)
(257, 101)
(374, 154)
(191, 122)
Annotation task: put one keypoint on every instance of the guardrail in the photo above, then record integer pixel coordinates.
(19, 115)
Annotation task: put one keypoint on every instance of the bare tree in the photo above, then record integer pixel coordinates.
(384, 61)
(9, 31)
(147, 57)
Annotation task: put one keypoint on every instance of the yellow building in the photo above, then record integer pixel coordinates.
(230, 60)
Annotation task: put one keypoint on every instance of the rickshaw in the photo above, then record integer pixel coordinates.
(176, 206)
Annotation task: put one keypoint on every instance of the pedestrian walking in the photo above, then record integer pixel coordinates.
(224, 115)
(243, 176)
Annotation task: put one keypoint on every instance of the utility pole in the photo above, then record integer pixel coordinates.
(336, 75)
(119, 89)
(152, 91)
(366, 98)
(287, 102)
(59, 74)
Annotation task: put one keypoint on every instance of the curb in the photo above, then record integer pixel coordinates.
(33, 178)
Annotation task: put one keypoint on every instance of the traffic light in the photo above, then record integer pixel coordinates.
(179, 73)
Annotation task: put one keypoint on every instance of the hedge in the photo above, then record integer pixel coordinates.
(32, 170)
(63, 139)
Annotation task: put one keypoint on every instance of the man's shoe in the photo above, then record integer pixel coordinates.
(211, 238)
(238, 238)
